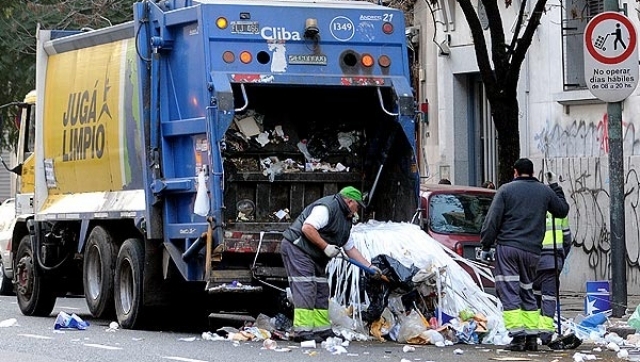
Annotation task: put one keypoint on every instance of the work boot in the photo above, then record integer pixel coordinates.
(302, 336)
(532, 342)
(545, 338)
(518, 344)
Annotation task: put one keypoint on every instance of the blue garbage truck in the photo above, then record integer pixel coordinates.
(161, 159)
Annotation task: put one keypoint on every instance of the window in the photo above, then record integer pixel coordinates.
(577, 15)
(458, 213)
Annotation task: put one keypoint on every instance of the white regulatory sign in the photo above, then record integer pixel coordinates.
(611, 56)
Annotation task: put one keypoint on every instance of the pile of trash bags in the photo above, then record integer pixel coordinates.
(429, 297)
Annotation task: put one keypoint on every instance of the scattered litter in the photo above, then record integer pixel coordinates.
(208, 336)
(623, 353)
(405, 360)
(11, 322)
(597, 349)
(331, 342)
(269, 344)
(308, 344)
(187, 339)
(458, 351)
(66, 321)
(407, 349)
(311, 352)
(510, 359)
(337, 349)
(113, 326)
(581, 357)
(613, 347)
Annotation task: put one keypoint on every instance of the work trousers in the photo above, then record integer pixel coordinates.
(514, 273)
(544, 288)
(309, 289)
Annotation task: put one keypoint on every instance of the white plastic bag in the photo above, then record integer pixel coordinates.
(201, 205)
(338, 315)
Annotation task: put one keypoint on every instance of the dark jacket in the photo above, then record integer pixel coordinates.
(336, 232)
(517, 216)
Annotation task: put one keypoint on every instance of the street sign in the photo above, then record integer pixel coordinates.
(611, 66)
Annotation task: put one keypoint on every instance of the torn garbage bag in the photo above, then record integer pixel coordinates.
(443, 285)
(400, 282)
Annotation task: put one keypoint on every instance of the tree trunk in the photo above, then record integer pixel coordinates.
(505, 117)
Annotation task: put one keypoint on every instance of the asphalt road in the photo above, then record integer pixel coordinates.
(34, 339)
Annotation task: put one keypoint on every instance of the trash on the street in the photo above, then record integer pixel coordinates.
(427, 283)
(308, 344)
(269, 344)
(113, 326)
(11, 322)
(67, 321)
(407, 349)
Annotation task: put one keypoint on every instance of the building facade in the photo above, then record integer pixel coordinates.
(563, 127)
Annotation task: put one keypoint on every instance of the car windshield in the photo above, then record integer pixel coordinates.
(458, 213)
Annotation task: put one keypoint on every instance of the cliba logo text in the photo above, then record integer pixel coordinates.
(277, 33)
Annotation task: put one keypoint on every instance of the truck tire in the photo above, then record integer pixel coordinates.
(100, 254)
(6, 287)
(128, 280)
(36, 296)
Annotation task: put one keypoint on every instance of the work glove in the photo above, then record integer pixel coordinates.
(377, 273)
(331, 251)
(486, 255)
(551, 178)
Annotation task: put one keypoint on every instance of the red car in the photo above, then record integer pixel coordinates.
(453, 215)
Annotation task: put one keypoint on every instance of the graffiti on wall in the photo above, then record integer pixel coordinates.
(584, 138)
(578, 153)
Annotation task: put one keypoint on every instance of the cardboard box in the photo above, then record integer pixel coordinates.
(598, 298)
(598, 286)
(596, 303)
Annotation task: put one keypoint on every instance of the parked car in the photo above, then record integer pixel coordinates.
(7, 219)
(453, 216)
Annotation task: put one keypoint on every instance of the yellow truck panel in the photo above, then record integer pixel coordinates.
(83, 108)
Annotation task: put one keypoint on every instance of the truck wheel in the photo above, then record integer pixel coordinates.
(36, 297)
(128, 280)
(99, 262)
(6, 287)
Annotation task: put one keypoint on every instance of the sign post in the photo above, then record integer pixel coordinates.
(611, 73)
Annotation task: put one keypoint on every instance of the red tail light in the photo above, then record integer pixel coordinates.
(459, 249)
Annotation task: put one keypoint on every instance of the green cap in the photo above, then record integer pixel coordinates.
(353, 194)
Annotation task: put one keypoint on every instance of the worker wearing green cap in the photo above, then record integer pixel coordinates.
(321, 232)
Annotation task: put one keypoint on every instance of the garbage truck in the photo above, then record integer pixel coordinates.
(161, 159)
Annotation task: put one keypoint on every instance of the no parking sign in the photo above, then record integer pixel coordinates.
(611, 56)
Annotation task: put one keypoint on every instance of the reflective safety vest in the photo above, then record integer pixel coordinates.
(561, 226)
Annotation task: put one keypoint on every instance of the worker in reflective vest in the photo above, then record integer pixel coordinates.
(544, 284)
